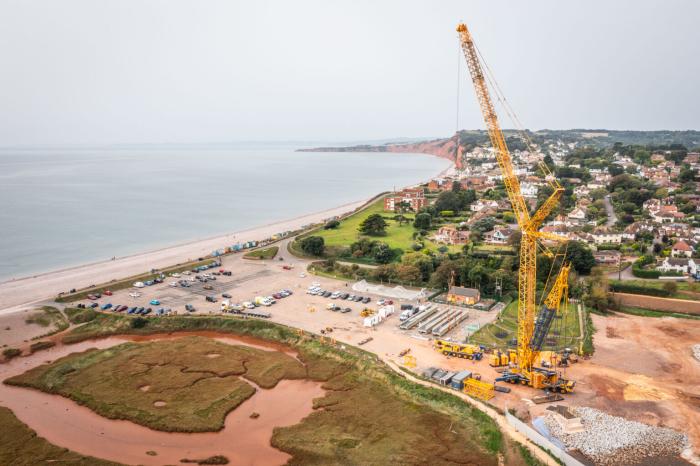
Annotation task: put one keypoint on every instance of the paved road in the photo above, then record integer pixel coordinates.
(612, 218)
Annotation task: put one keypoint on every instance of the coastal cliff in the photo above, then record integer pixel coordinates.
(443, 148)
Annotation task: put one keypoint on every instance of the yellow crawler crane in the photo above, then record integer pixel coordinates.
(525, 372)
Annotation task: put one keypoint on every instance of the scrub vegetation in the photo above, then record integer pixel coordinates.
(50, 318)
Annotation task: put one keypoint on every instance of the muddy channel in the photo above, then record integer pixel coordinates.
(244, 441)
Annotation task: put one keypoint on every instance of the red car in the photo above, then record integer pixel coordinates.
(92, 297)
(107, 293)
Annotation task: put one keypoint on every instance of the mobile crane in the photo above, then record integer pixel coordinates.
(532, 329)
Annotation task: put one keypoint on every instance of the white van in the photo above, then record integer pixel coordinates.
(139, 284)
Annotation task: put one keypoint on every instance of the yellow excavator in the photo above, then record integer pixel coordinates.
(532, 325)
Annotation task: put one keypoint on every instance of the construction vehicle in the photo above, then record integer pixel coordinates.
(532, 328)
(459, 350)
(366, 312)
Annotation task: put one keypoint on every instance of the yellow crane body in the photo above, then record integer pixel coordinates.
(458, 350)
(529, 224)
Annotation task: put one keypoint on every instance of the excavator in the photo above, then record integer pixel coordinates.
(533, 326)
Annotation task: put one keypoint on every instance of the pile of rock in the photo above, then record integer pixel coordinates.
(613, 440)
(696, 351)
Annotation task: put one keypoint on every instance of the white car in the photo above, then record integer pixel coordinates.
(175, 275)
(271, 299)
(139, 284)
(302, 275)
(335, 295)
(248, 305)
(186, 272)
(135, 295)
(173, 284)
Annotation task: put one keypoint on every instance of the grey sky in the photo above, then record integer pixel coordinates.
(112, 71)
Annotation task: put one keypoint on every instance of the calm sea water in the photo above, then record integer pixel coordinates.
(61, 208)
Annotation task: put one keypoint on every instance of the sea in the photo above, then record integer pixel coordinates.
(62, 207)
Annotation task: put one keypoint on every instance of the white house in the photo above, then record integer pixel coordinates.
(681, 249)
(678, 265)
(528, 189)
(606, 237)
(578, 215)
(482, 204)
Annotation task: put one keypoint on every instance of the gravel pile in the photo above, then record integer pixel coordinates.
(610, 440)
(696, 351)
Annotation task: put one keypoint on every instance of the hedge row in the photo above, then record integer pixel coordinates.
(622, 287)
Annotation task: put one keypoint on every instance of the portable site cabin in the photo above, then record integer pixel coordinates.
(459, 378)
(428, 373)
(437, 375)
(445, 379)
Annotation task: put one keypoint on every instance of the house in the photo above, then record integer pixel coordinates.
(657, 158)
(611, 257)
(449, 234)
(667, 214)
(604, 236)
(681, 249)
(482, 204)
(577, 215)
(412, 196)
(528, 190)
(678, 265)
(461, 295)
(498, 236)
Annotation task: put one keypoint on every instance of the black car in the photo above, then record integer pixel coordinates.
(211, 299)
(93, 305)
(189, 308)
(326, 294)
(344, 296)
(346, 310)
(357, 299)
(366, 299)
(225, 295)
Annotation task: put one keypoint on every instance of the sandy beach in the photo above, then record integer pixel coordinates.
(16, 295)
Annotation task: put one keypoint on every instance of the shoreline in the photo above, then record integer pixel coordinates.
(18, 293)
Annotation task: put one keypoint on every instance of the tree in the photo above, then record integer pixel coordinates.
(138, 322)
(374, 225)
(423, 262)
(443, 274)
(382, 253)
(448, 200)
(384, 273)
(408, 273)
(331, 225)
(313, 245)
(671, 288)
(580, 256)
(422, 221)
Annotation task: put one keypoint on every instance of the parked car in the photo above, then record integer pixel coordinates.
(92, 297)
(226, 295)
(211, 299)
(135, 295)
(132, 310)
(107, 293)
(106, 306)
(189, 308)
(208, 287)
(366, 299)
(93, 305)
(346, 310)
(154, 302)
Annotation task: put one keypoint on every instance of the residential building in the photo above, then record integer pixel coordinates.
(604, 236)
(498, 235)
(678, 265)
(412, 196)
(449, 234)
(681, 249)
(611, 257)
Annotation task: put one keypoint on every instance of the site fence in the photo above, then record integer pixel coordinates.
(541, 440)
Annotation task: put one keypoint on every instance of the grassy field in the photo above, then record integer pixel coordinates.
(649, 313)
(130, 380)
(370, 415)
(564, 332)
(20, 446)
(127, 282)
(397, 236)
(264, 253)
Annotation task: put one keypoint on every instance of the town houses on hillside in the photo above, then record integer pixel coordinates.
(411, 197)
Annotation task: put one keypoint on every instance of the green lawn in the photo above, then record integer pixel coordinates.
(397, 236)
(264, 253)
(491, 335)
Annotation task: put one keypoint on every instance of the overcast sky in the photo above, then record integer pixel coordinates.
(131, 71)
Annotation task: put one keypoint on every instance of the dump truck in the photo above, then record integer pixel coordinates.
(458, 350)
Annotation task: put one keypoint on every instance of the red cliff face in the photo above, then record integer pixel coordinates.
(444, 148)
